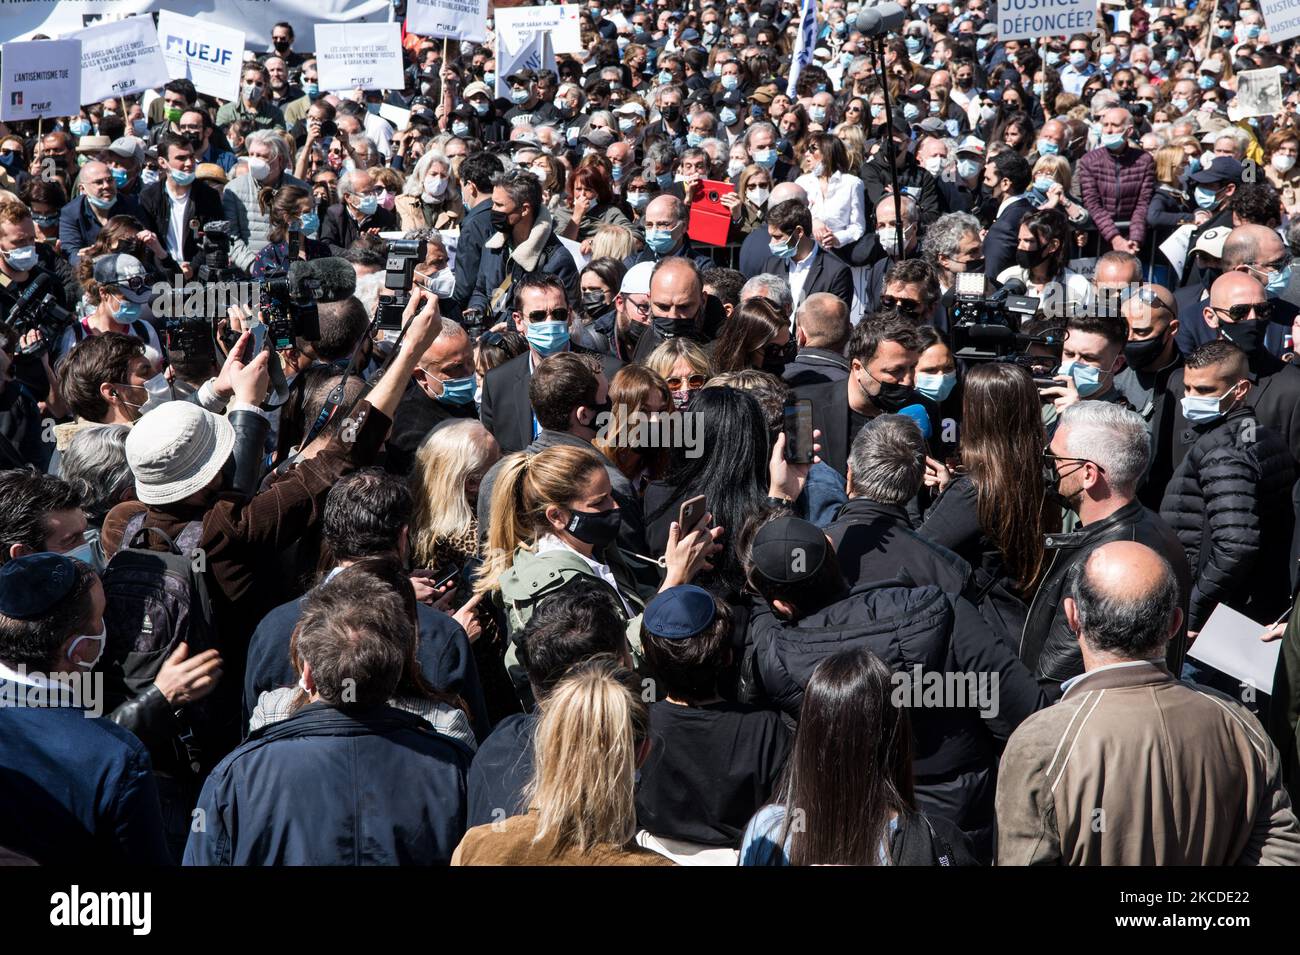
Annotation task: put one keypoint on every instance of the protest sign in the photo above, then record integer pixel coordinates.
(1281, 18)
(1259, 93)
(514, 26)
(364, 56)
(456, 19)
(1033, 19)
(40, 78)
(209, 56)
(119, 58)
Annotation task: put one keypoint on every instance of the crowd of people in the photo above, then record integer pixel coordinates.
(495, 538)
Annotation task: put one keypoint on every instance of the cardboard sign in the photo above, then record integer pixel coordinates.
(40, 78)
(516, 25)
(209, 56)
(120, 58)
(456, 19)
(364, 56)
(1034, 19)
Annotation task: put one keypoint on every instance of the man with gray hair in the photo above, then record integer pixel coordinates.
(268, 162)
(1117, 181)
(1133, 766)
(1093, 464)
(772, 287)
(357, 211)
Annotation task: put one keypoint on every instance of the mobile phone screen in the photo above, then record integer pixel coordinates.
(798, 428)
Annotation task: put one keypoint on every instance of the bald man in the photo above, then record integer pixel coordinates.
(679, 308)
(754, 251)
(821, 331)
(1052, 139)
(1106, 777)
(665, 235)
(81, 220)
(1235, 310)
(1117, 181)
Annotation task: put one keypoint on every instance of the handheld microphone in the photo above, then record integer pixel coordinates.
(918, 414)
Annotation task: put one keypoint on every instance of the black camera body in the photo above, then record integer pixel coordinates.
(214, 246)
(288, 315)
(34, 309)
(987, 328)
(399, 272)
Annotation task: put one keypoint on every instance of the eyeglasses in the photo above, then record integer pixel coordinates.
(643, 308)
(1239, 313)
(909, 305)
(542, 315)
(1050, 458)
(692, 382)
(1269, 267)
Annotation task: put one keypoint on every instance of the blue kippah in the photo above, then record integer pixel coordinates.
(679, 612)
(31, 586)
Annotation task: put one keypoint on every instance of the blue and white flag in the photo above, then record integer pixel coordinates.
(803, 45)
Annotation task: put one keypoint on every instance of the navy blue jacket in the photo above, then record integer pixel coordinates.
(445, 659)
(474, 231)
(501, 769)
(75, 790)
(334, 787)
(78, 226)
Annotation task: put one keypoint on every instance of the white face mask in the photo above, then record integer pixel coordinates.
(442, 283)
(1283, 163)
(434, 187)
(758, 195)
(101, 638)
(258, 168)
(934, 165)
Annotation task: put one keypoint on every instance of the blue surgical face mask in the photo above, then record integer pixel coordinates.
(1114, 140)
(729, 81)
(459, 128)
(1279, 281)
(367, 205)
(1077, 60)
(693, 140)
(79, 127)
(967, 168)
(936, 387)
(120, 177)
(914, 44)
(480, 107)
(1206, 82)
(182, 178)
(727, 116)
(311, 90)
(141, 127)
(547, 338)
(1107, 60)
(21, 259)
(638, 200)
(911, 113)
(783, 250)
(1205, 198)
(519, 97)
(99, 203)
(460, 391)
(1044, 183)
(1040, 90)
(1087, 379)
(1047, 148)
(659, 241)
(127, 312)
(309, 222)
(489, 78)
(764, 157)
(817, 114)
(1053, 58)
(665, 77)
(1180, 104)
(877, 111)
(1202, 409)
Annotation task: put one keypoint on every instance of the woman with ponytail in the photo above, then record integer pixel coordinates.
(591, 739)
(294, 222)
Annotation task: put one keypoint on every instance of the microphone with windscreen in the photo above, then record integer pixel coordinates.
(880, 19)
(330, 279)
(918, 414)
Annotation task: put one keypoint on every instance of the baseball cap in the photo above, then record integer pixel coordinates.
(128, 147)
(600, 138)
(176, 450)
(124, 272)
(679, 613)
(973, 145)
(636, 280)
(630, 109)
(521, 76)
(1212, 240)
(476, 88)
(33, 585)
(1223, 169)
(788, 550)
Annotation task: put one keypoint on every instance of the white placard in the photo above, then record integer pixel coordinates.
(399, 116)
(120, 58)
(1281, 18)
(1230, 642)
(40, 78)
(209, 56)
(364, 56)
(515, 27)
(456, 19)
(1259, 93)
(1034, 19)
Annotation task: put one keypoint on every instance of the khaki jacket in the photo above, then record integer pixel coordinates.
(1133, 767)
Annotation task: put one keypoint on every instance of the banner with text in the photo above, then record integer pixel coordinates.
(456, 19)
(40, 78)
(254, 18)
(119, 58)
(209, 56)
(364, 56)
(516, 25)
(1034, 19)
(1281, 18)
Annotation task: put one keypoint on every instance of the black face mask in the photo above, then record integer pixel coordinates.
(1028, 259)
(671, 114)
(893, 397)
(597, 528)
(500, 222)
(283, 45)
(1247, 335)
(1052, 487)
(1143, 354)
(675, 327)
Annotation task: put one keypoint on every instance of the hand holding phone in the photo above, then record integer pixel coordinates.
(691, 514)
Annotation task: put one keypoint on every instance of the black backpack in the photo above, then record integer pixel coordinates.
(156, 600)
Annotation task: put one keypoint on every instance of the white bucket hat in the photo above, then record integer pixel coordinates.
(176, 450)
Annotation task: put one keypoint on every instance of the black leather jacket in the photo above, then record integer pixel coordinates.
(1048, 647)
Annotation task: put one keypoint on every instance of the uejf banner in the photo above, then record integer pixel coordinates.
(456, 19)
(120, 58)
(209, 56)
(364, 56)
(40, 78)
(1034, 19)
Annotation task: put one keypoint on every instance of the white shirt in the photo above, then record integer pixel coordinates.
(1073, 295)
(841, 208)
(798, 276)
(549, 542)
(177, 225)
(380, 132)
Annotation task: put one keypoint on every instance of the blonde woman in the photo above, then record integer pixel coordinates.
(748, 204)
(1053, 179)
(855, 143)
(1170, 205)
(431, 197)
(684, 366)
(614, 242)
(449, 467)
(592, 737)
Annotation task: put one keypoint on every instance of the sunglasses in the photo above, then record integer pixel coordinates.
(1239, 313)
(909, 305)
(692, 382)
(135, 283)
(553, 315)
(491, 340)
(1049, 458)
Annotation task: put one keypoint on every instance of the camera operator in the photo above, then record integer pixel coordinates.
(169, 206)
(21, 429)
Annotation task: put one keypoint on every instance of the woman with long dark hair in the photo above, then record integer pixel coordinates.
(995, 511)
(757, 336)
(1044, 246)
(846, 797)
(727, 463)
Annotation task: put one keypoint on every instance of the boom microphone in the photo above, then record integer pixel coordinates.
(880, 19)
(1011, 286)
(334, 278)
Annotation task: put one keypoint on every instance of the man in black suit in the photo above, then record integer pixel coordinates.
(821, 329)
(797, 258)
(441, 388)
(679, 308)
(543, 316)
(883, 352)
(476, 174)
(755, 250)
(170, 205)
(1007, 177)
(356, 212)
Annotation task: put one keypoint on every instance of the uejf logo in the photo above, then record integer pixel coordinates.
(16, 98)
(74, 908)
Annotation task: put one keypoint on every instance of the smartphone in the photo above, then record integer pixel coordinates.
(1041, 383)
(691, 514)
(798, 428)
(447, 577)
